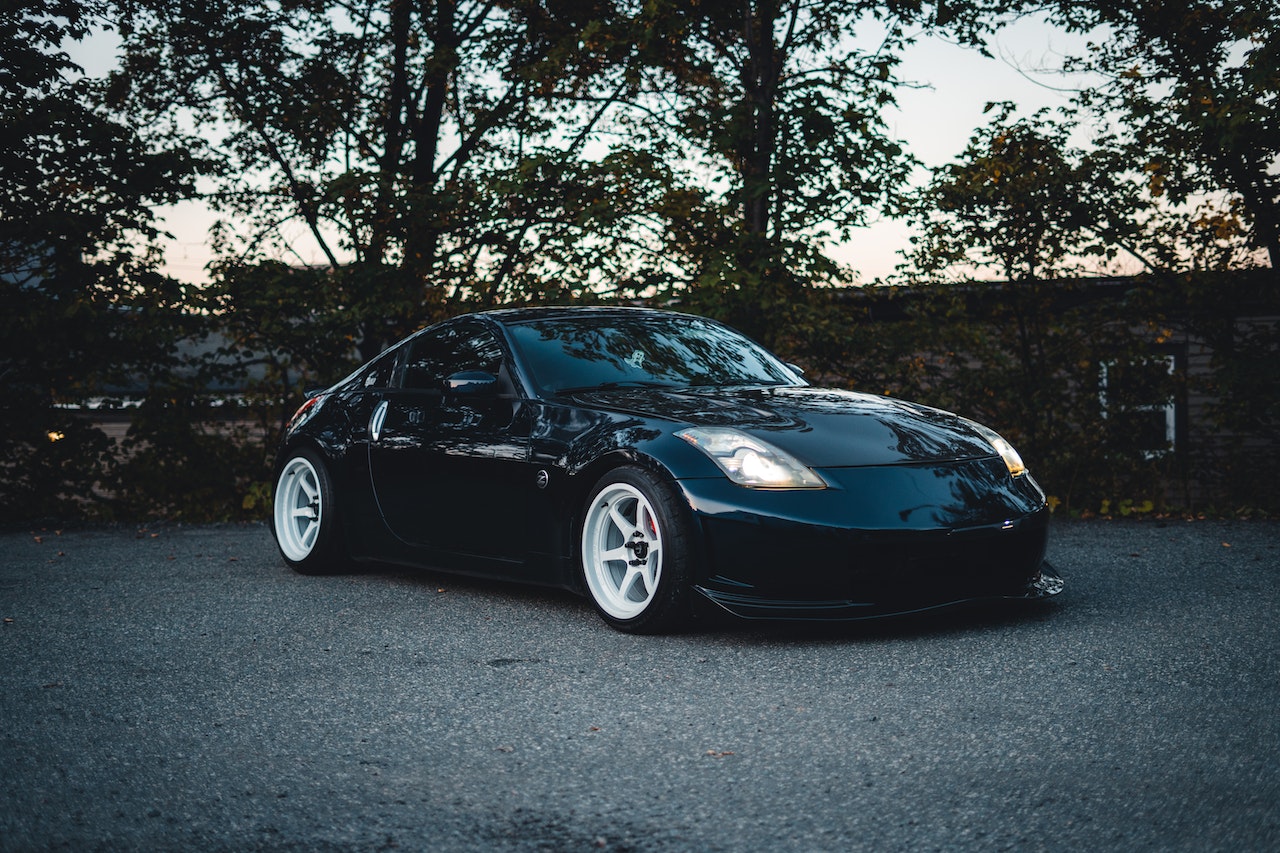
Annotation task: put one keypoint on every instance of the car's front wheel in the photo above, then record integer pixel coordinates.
(305, 516)
(635, 552)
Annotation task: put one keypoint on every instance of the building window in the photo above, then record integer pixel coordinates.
(1139, 403)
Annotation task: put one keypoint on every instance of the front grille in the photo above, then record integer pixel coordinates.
(946, 565)
(812, 563)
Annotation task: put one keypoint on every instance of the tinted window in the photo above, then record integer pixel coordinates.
(380, 373)
(438, 354)
(582, 352)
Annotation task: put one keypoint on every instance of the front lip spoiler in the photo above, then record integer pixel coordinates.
(1045, 584)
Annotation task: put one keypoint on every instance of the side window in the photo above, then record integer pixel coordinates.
(437, 355)
(381, 372)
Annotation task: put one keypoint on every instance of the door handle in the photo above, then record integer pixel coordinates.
(375, 422)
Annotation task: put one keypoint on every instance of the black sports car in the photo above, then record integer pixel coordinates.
(660, 463)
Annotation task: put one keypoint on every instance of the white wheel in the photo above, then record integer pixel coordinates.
(305, 516)
(298, 509)
(633, 551)
(622, 551)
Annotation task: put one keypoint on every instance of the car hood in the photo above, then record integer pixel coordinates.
(823, 428)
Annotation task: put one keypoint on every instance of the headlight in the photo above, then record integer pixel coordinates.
(1010, 456)
(748, 461)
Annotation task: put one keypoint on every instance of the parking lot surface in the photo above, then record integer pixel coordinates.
(178, 688)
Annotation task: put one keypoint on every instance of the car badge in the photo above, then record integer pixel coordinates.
(543, 478)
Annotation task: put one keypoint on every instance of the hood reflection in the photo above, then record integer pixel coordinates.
(822, 427)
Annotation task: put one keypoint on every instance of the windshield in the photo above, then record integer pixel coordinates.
(578, 353)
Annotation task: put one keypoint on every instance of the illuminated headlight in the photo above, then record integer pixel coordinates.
(748, 461)
(1010, 456)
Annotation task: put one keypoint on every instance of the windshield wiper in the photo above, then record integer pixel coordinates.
(739, 383)
(612, 386)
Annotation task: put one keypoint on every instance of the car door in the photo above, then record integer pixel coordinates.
(448, 469)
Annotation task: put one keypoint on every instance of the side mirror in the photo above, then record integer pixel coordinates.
(472, 383)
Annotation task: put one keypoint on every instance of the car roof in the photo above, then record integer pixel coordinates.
(512, 316)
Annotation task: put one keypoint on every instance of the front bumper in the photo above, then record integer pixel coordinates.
(880, 541)
(1045, 584)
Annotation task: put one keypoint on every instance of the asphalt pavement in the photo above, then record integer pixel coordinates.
(178, 688)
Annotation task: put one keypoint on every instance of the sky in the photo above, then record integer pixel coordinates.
(935, 120)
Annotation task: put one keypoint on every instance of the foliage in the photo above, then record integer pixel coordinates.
(430, 154)
(1235, 316)
(187, 459)
(1194, 86)
(781, 108)
(1021, 203)
(1028, 355)
(81, 307)
(961, 347)
(460, 155)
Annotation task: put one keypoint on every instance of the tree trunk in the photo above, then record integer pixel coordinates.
(756, 138)
(422, 231)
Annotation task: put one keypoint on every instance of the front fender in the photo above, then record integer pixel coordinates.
(575, 447)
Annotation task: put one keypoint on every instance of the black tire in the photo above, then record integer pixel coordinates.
(634, 552)
(304, 517)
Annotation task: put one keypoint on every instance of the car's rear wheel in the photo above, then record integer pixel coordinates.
(635, 552)
(305, 517)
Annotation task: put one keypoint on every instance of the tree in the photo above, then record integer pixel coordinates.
(1022, 203)
(1195, 87)
(81, 305)
(428, 152)
(780, 111)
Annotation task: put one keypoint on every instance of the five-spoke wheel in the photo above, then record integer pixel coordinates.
(305, 516)
(633, 552)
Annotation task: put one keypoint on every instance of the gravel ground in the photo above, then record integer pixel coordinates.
(178, 688)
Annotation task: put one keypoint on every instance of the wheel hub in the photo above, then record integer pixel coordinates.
(640, 548)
